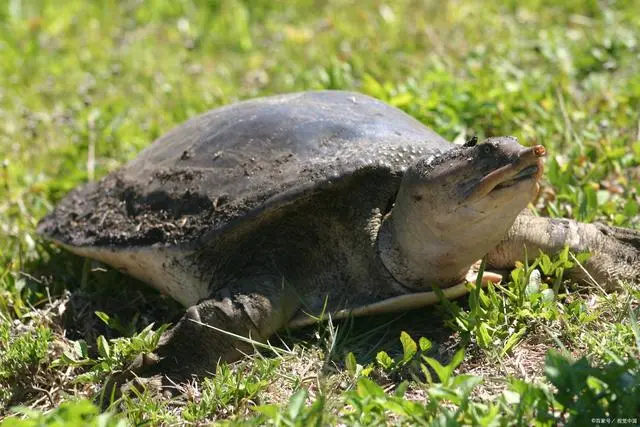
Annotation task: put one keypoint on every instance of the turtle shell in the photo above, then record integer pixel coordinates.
(233, 163)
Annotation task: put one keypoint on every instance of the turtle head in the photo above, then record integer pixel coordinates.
(453, 208)
(475, 183)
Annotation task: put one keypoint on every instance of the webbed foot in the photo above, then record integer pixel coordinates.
(141, 374)
(615, 256)
(614, 251)
(222, 328)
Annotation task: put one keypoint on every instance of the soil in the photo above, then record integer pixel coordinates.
(116, 212)
(234, 162)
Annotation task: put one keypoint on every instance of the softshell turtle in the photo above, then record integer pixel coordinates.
(269, 212)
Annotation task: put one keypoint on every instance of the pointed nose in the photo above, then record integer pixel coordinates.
(532, 152)
(539, 150)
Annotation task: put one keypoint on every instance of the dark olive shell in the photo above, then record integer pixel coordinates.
(234, 163)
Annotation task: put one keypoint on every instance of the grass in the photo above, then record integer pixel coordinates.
(84, 86)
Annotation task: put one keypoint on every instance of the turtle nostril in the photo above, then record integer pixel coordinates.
(539, 150)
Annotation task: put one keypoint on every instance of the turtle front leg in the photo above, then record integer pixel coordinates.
(207, 332)
(615, 251)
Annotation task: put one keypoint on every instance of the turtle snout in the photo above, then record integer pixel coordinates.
(532, 153)
(531, 157)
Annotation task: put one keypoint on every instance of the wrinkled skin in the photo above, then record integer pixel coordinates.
(483, 187)
(284, 204)
(614, 251)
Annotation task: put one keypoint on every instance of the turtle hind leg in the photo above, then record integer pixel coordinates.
(253, 308)
(615, 251)
(627, 236)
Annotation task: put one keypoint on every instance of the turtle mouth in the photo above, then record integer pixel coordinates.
(523, 175)
(527, 166)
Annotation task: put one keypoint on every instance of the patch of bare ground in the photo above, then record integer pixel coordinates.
(525, 362)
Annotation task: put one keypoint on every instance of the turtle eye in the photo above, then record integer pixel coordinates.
(487, 149)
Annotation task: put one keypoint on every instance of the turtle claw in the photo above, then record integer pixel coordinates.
(614, 251)
(154, 384)
(487, 276)
(615, 258)
(142, 374)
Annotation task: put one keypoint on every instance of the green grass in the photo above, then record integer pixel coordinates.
(84, 86)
